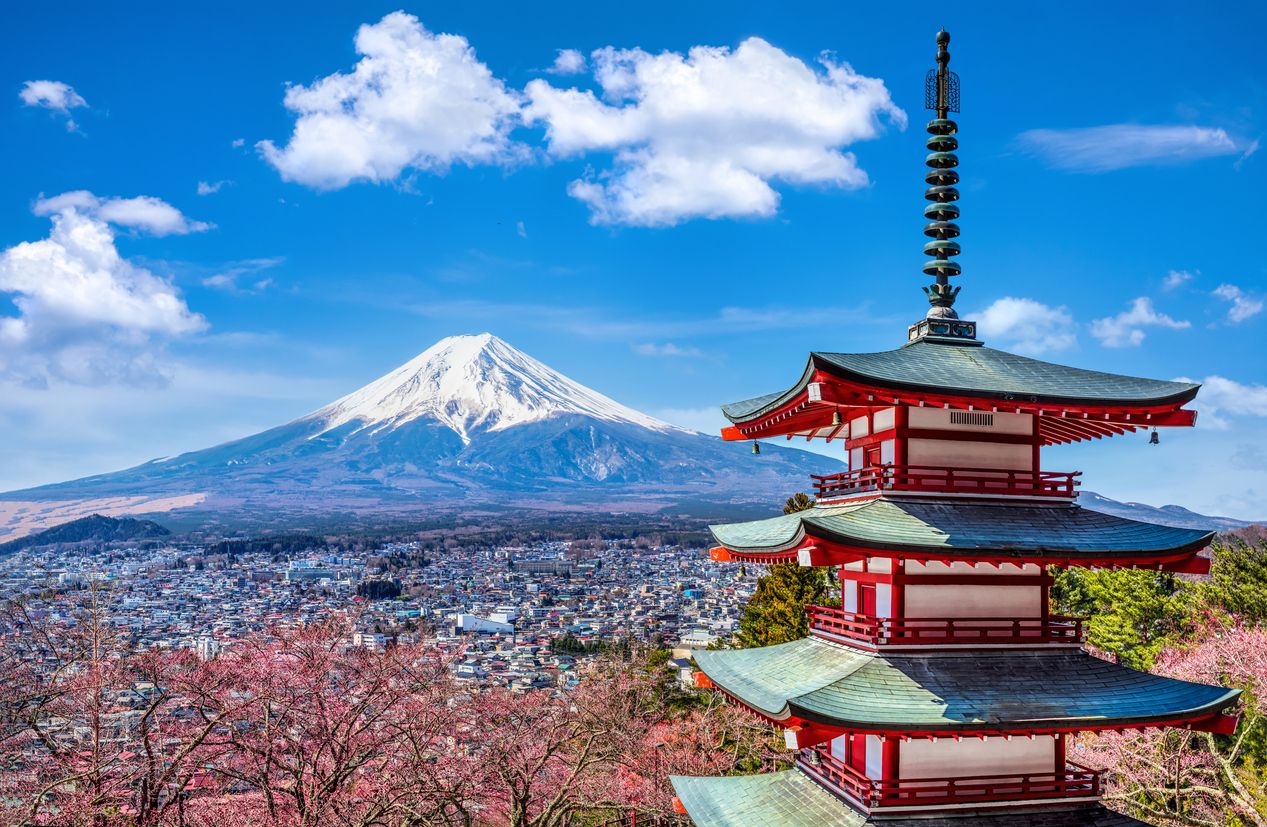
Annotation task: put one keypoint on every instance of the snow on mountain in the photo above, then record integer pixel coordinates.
(474, 384)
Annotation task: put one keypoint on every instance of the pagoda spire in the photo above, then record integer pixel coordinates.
(941, 94)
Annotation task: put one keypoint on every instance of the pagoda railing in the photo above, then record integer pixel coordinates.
(877, 793)
(942, 480)
(921, 631)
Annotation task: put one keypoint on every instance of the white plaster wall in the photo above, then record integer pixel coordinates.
(972, 757)
(883, 600)
(881, 565)
(973, 601)
(859, 427)
(956, 454)
(939, 418)
(849, 599)
(884, 420)
(855, 459)
(838, 746)
(886, 452)
(875, 764)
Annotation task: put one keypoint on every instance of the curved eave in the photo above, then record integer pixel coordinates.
(826, 385)
(960, 531)
(992, 692)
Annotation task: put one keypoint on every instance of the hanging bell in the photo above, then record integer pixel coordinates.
(836, 418)
(1154, 439)
(756, 447)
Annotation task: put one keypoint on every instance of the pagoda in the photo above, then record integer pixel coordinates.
(942, 689)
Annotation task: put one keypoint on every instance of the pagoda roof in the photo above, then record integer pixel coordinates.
(1002, 691)
(792, 799)
(958, 529)
(973, 370)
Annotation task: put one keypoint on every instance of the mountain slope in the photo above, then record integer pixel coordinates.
(93, 528)
(471, 422)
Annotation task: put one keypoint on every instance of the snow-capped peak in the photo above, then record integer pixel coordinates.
(473, 383)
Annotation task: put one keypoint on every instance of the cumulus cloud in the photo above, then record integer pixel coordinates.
(568, 62)
(1221, 397)
(144, 213)
(55, 95)
(1118, 146)
(1028, 326)
(1176, 278)
(1244, 306)
(416, 99)
(705, 134)
(84, 313)
(1127, 327)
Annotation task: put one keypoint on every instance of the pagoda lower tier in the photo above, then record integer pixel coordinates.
(792, 799)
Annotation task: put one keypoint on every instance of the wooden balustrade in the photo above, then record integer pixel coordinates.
(875, 793)
(919, 631)
(939, 479)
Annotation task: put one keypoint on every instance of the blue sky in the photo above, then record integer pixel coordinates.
(213, 221)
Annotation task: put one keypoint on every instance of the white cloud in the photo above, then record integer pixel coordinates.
(230, 279)
(1127, 327)
(211, 187)
(238, 143)
(1220, 395)
(1117, 146)
(1176, 278)
(51, 94)
(1028, 326)
(415, 100)
(667, 349)
(521, 229)
(705, 134)
(146, 213)
(85, 314)
(568, 62)
(1243, 306)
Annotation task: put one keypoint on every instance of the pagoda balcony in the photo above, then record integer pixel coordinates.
(832, 622)
(930, 479)
(914, 793)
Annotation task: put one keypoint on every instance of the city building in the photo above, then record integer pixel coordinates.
(943, 686)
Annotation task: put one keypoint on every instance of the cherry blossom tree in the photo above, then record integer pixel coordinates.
(1180, 777)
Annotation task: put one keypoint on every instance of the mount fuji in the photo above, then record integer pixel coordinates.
(470, 424)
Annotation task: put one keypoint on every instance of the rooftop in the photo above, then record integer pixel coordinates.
(989, 691)
(962, 529)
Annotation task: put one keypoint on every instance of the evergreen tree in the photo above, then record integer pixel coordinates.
(1132, 614)
(776, 613)
(1238, 579)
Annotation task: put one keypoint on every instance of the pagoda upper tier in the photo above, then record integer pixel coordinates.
(1070, 404)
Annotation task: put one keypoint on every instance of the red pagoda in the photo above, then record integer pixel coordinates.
(942, 689)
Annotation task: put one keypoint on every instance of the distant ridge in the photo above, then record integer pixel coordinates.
(93, 528)
(1171, 515)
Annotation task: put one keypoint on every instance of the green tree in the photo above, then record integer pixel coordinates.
(776, 612)
(1133, 614)
(1238, 579)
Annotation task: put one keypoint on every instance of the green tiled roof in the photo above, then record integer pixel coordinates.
(978, 371)
(792, 799)
(995, 690)
(777, 799)
(958, 526)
